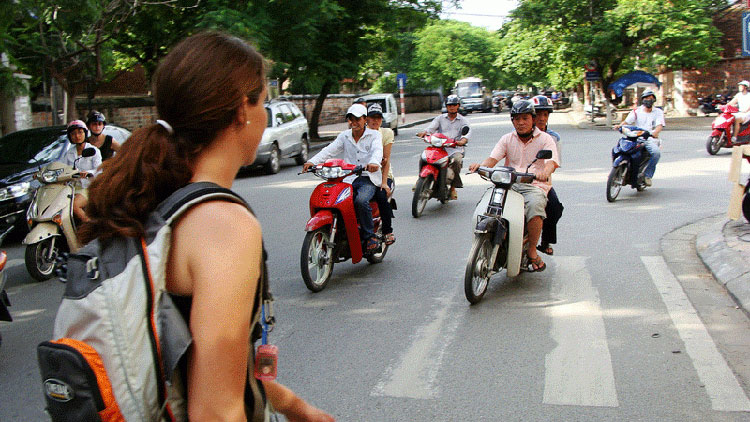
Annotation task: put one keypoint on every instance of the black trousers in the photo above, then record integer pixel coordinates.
(554, 211)
(384, 205)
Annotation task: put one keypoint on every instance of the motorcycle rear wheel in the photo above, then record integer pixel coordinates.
(478, 271)
(36, 258)
(379, 255)
(714, 144)
(316, 259)
(614, 182)
(746, 206)
(422, 194)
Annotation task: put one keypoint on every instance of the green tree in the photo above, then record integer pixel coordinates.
(550, 41)
(450, 50)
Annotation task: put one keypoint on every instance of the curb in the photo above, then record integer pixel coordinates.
(726, 264)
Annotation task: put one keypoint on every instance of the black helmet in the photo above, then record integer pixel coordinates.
(542, 103)
(522, 107)
(359, 100)
(452, 100)
(374, 110)
(95, 116)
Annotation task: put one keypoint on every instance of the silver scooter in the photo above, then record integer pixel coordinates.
(500, 238)
(52, 228)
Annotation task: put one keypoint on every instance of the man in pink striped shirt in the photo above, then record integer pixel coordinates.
(519, 149)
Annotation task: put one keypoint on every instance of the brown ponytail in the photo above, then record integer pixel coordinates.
(198, 88)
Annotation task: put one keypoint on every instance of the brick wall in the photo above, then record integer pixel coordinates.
(134, 112)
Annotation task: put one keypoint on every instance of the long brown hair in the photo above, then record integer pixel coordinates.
(198, 88)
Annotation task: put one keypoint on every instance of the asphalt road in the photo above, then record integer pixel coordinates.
(605, 333)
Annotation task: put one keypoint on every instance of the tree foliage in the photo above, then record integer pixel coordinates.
(549, 41)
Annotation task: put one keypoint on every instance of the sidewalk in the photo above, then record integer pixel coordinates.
(582, 121)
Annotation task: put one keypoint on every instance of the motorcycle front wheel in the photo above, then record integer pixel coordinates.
(316, 259)
(615, 181)
(422, 194)
(40, 259)
(478, 271)
(746, 205)
(714, 144)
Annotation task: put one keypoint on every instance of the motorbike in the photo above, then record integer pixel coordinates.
(629, 160)
(712, 104)
(721, 131)
(52, 227)
(333, 233)
(434, 180)
(497, 104)
(4, 302)
(500, 237)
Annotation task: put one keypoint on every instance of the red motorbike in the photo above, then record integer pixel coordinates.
(721, 131)
(333, 233)
(433, 179)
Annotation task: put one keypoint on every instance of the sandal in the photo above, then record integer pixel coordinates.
(545, 249)
(372, 244)
(537, 264)
(390, 239)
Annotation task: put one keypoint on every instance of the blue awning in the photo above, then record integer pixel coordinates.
(637, 76)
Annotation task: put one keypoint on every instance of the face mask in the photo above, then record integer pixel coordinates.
(648, 103)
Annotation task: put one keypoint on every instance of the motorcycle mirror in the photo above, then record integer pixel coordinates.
(544, 154)
(88, 152)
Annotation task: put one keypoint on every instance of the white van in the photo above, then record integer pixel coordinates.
(390, 111)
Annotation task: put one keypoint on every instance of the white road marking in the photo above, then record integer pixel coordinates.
(722, 386)
(14, 263)
(414, 375)
(579, 370)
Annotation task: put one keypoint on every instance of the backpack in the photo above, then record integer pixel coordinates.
(119, 337)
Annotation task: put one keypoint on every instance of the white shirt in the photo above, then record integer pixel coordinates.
(450, 128)
(644, 119)
(368, 150)
(743, 101)
(89, 164)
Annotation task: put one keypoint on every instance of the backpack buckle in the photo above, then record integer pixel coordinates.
(92, 268)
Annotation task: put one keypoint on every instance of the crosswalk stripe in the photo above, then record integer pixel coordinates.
(722, 386)
(579, 370)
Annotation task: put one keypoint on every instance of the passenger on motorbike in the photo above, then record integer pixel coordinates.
(374, 120)
(106, 144)
(450, 124)
(554, 209)
(741, 100)
(651, 119)
(88, 166)
(359, 146)
(519, 149)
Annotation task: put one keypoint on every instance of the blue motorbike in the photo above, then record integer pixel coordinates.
(629, 160)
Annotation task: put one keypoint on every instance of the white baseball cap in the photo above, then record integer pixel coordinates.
(746, 83)
(357, 110)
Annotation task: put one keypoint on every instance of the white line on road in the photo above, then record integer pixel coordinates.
(721, 385)
(579, 370)
(414, 376)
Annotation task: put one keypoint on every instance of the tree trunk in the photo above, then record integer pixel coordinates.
(72, 112)
(315, 119)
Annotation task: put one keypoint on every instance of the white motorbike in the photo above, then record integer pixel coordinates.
(500, 238)
(52, 227)
(4, 302)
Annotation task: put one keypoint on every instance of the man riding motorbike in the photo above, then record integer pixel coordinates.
(519, 149)
(77, 132)
(359, 146)
(741, 100)
(651, 119)
(106, 144)
(554, 209)
(450, 124)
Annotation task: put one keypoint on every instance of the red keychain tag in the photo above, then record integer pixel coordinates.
(266, 360)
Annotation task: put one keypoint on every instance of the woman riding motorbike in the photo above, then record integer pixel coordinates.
(77, 133)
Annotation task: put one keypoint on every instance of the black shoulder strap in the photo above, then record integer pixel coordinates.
(194, 193)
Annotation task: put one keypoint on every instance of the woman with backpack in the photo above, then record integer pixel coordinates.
(209, 92)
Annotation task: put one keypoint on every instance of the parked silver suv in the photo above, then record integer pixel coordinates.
(286, 135)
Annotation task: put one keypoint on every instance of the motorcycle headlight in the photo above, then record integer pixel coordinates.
(502, 177)
(50, 176)
(437, 142)
(15, 191)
